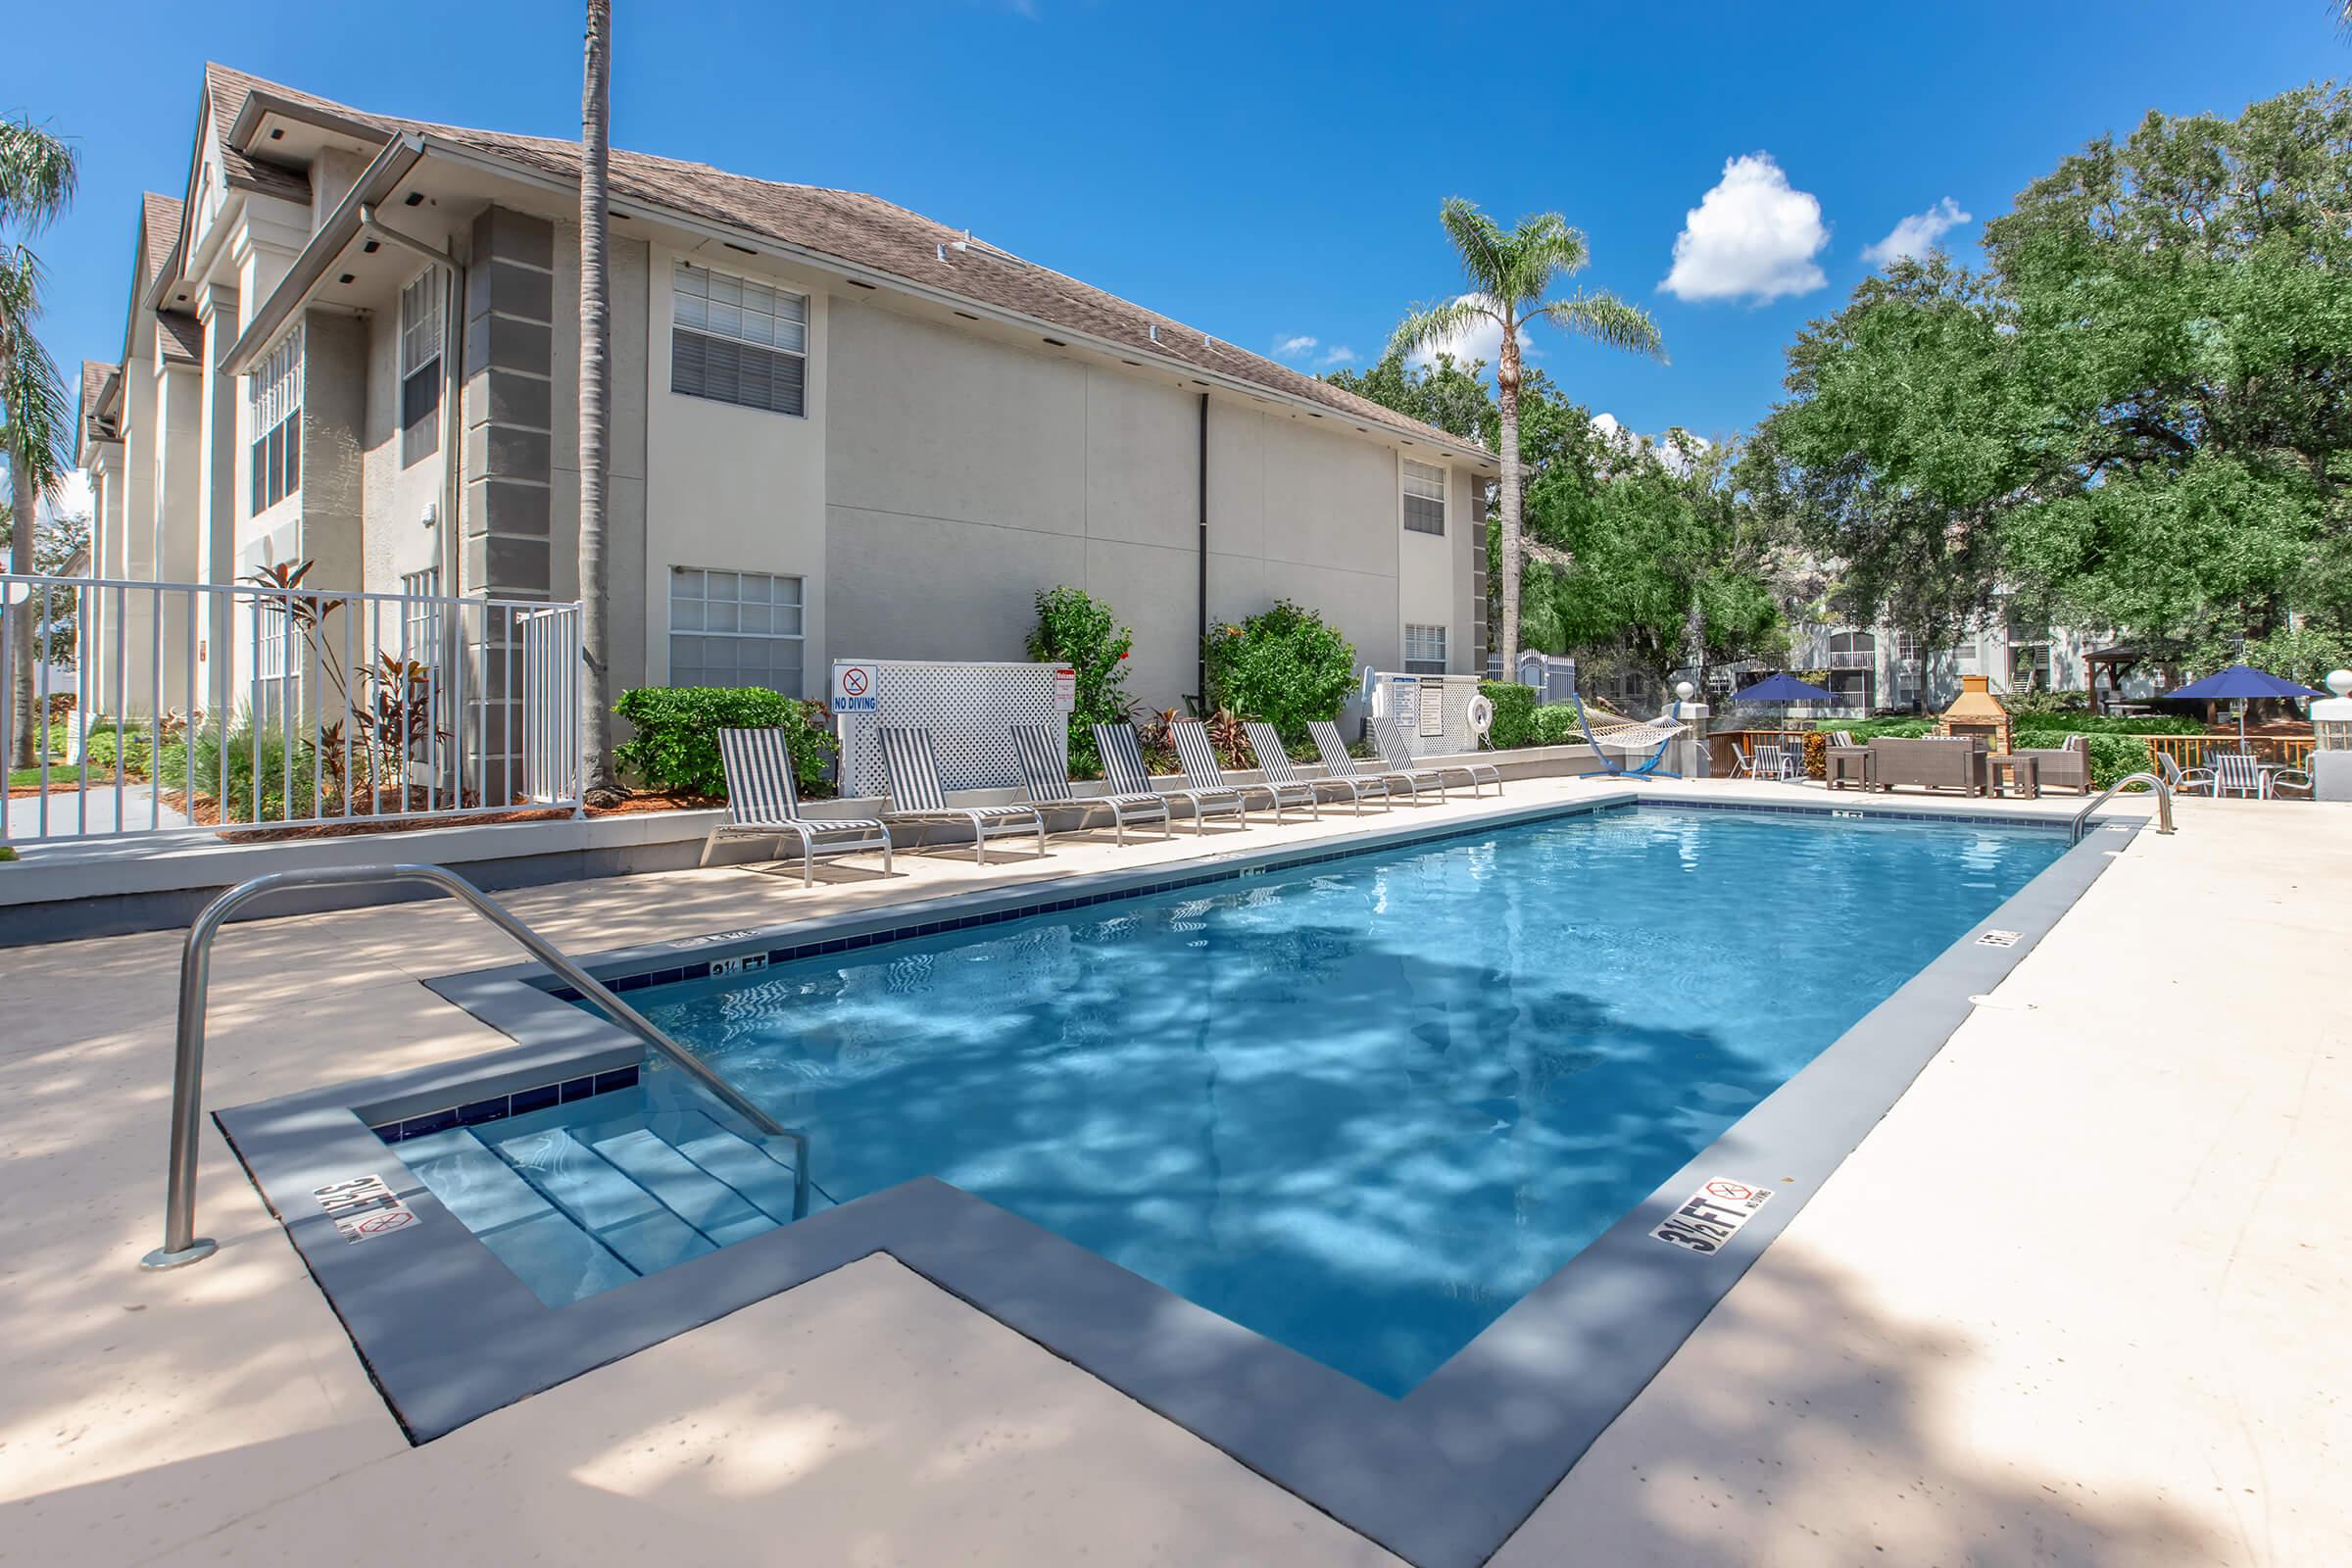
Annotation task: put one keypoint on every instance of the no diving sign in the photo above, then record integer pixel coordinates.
(364, 1209)
(1712, 1215)
(855, 688)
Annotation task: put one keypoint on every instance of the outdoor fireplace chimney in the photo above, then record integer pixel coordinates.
(1977, 711)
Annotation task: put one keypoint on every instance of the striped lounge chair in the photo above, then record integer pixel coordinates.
(1337, 764)
(763, 802)
(1398, 751)
(916, 799)
(1124, 763)
(1048, 777)
(1198, 759)
(1275, 763)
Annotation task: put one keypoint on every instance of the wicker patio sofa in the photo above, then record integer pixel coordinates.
(1929, 762)
(2062, 768)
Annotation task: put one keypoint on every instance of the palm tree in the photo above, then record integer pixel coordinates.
(597, 782)
(36, 183)
(1509, 272)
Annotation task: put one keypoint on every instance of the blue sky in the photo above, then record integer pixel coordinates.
(1267, 173)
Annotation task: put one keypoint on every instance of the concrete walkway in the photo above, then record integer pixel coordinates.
(75, 814)
(2077, 1301)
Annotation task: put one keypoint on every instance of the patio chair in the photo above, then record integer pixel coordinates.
(1275, 763)
(911, 767)
(1398, 751)
(2240, 773)
(764, 803)
(1198, 759)
(2061, 768)
(1048, 781)
(1123, 764)
(2184, 780)
(1337, 764)
(1765, 760)
(2290, 778)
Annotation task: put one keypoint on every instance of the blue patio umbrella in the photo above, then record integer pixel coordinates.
(1782, 690)
(2241, 682)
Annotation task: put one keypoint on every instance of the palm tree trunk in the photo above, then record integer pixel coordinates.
(596, 381)
(29, 724)
(1507, 388)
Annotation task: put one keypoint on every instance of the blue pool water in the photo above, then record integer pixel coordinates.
(1365, 1106)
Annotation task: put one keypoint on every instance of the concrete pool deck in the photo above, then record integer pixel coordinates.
(2071, 1301)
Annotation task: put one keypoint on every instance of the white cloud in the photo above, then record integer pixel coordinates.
(1300, 344)
(1340, 353)
(1678, 450)
(1481, 340)
(1753, 236)
(70, 500)
(1917, 235)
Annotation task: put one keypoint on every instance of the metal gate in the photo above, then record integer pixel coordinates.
(551, 704)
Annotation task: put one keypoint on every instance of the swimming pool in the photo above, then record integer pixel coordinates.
(1360, 1107)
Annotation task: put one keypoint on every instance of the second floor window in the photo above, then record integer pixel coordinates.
(736, 341)
(275, 401)
(419, 368)
(1424, 498)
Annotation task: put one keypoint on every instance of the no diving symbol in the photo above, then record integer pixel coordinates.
(853, 681)
(1729, 1191)
(390, 1220)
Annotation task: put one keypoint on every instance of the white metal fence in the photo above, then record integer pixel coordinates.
(258, 705)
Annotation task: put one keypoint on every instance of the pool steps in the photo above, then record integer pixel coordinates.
(579, 1206)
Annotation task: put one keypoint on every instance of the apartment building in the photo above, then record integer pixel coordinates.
(840, 429)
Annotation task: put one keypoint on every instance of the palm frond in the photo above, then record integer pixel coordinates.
(1606, 318)
(1545, 249)
(36, 420)
(1484, 250)
(1428, 326)
(37, 175)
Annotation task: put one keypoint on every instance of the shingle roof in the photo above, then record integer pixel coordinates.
(93, 382)
(178, 335)
(159, 230)
(225, 89)
(864, 231)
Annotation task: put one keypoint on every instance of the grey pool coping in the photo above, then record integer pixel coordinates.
(1440, 1477)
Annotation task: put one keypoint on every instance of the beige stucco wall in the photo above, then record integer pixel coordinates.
(963, 475)
(395, 540)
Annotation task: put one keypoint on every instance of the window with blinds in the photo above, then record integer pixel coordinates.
(734, 629)
(420, 340)
(274, 399)
(1424, 650)
(736, 341)
(1424, 498)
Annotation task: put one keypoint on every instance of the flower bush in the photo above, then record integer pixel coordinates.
(675, 749)
(1287, 666)
(1076, 629)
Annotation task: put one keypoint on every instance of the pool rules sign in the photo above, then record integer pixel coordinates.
(1712, 1215)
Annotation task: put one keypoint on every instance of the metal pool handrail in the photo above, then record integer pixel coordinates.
(181, 1244)
(2164, 804)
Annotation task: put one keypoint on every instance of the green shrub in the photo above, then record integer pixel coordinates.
(1875, 728)
(6, 854)
(98, 748)
(1555, 726)
(1288, 667)
(2112, 757)
(1076, 629)
(1514, 713)
(675, 749)
(250, 751)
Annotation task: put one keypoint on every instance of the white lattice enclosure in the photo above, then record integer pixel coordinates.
(1434, 708)
(968, 708)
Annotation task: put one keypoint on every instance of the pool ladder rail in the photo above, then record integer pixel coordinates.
(2164, 804)
(181, 1244)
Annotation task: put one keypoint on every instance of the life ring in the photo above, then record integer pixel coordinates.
(1481, 714)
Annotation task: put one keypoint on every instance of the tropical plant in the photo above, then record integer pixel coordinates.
(1509, 273)
(1076, 629)
(37, 175)
(1287, 666)
(675, 745)
(599, 784)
